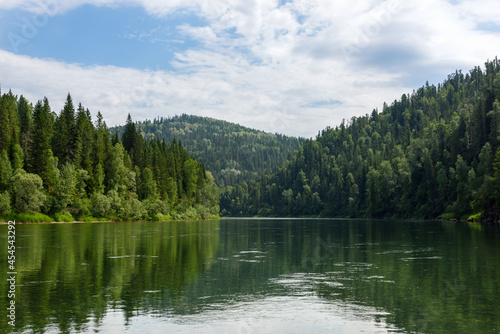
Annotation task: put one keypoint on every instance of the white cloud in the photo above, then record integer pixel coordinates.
(268, 66)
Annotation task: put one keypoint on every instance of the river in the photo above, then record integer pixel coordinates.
(254, 276)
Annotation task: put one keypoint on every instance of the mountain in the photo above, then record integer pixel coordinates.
(434, 152)
(233, 153)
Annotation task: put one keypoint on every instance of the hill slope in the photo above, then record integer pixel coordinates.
(233, 153)
(429, 153)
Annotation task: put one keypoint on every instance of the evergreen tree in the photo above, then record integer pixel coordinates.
(65, 143)
(84, 143)
(40, 153)
(9, 121)
(25, 114)
(129, 135)
(5, 171)
(89, 175)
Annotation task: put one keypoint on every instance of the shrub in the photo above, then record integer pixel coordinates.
(4, 203)
(133, 209)
(64, 216)
(100, 205)
(27, 191)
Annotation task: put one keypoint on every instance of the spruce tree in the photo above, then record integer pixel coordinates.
(64, 144)
(84, 139)
(24, 112)
(129, 135)
(9, 121)
(40, 153)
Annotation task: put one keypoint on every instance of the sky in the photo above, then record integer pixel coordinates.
(286, 66)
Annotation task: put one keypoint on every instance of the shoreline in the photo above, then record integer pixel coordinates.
(254, 217)
(109, 221)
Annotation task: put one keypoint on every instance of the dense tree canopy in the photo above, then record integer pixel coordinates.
(427, 154)
(435, 152)
(233, 153)
(68, 167)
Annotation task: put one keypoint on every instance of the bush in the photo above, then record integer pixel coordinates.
(81, 206)
(30, 218)
(100, 205)
(64, 216)
(27, 191)
(115, 203)
(133, 209)
(155, 207)
(447, 216)
(4, 203)
(475, 217)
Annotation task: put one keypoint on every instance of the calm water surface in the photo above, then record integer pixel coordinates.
(254, 276)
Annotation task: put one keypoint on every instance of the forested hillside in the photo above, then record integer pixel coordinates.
(66, 166)
(232, 153)
(432, 153)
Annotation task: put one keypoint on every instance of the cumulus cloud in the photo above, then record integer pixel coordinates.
(272, 65)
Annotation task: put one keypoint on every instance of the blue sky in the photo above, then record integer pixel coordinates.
(291, 67)
(124, 36)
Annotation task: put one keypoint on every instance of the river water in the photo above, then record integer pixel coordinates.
(254, 276)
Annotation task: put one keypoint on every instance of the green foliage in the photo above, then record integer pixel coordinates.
(63, 217)
(40, 157)
(475, 217)
(133, 209)
(425, 155)
(232, 153)
(66, 189)
(29, 218)
(27, 192)
(447, 216)
(74, 168)
(17, 157)
(9, 121)
(129, 135)
(155, 207)
(5, 171)
(147, 188)
(4, 203)
(100, 204)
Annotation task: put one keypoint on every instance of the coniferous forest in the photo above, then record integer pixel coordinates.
(233, 153)
(432, 153)
(64, 167)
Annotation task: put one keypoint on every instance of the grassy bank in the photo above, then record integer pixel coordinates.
(67, 218)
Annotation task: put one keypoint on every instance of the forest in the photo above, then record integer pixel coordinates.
(64, 167)
(233, 153)
(433, 153)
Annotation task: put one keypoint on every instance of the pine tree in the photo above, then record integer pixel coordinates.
(25, 114)
(147, 189)
(9, 121)
(40, 153)
(25, 111)
(84, 143)
(64, 145)
(102, 141)
(129, 135)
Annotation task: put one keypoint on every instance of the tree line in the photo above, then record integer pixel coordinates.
(233, 153)
(433, 153)
(68, 167)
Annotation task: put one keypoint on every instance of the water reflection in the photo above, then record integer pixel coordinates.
(257, 276)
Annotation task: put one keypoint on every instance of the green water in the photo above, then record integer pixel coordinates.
(254, 276)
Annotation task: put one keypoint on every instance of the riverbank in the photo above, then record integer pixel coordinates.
(4, 221)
